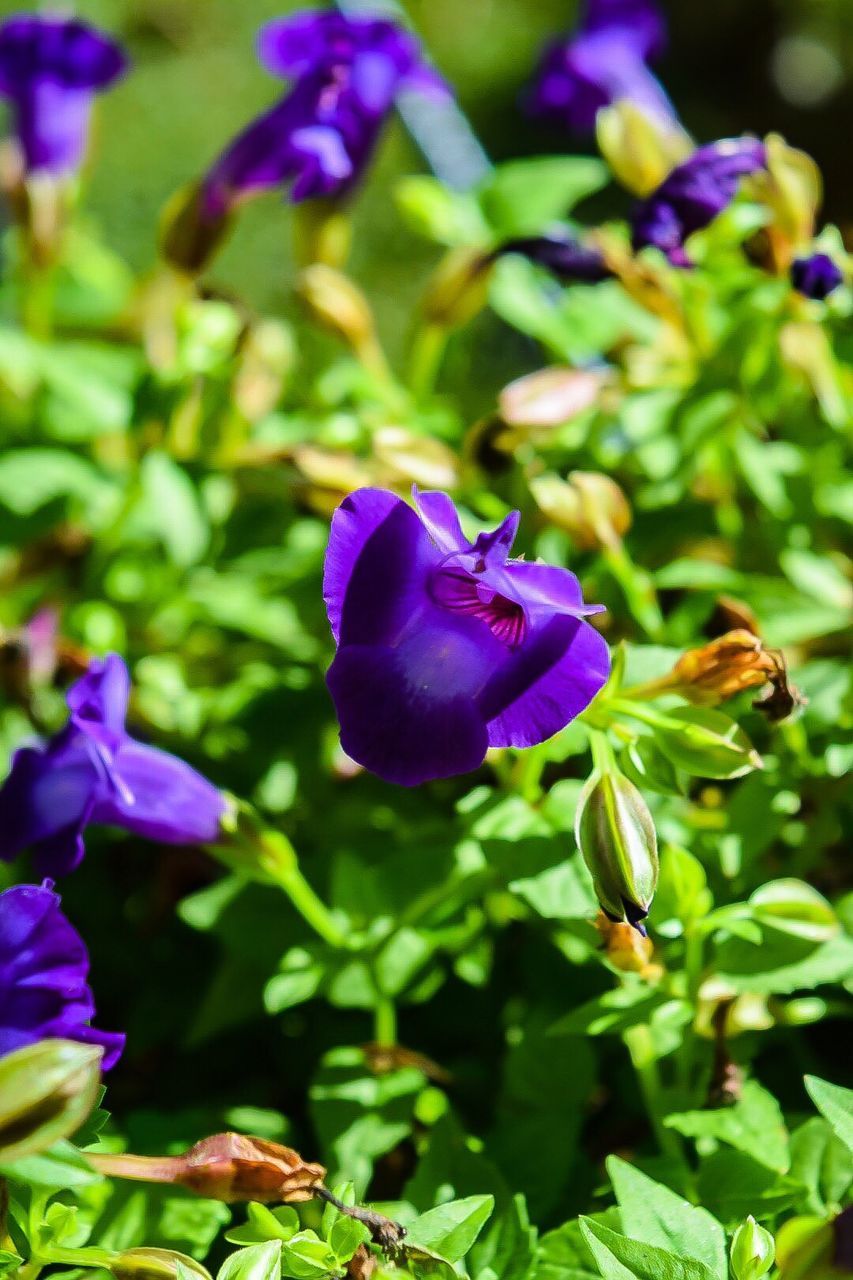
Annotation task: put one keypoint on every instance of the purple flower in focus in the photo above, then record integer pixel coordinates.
(43, 970)
(92, 771)
(347, 73)
(816, 276)
(604, 61)
(693, 194)
(50, 70)
(568, 260)
(447, 647)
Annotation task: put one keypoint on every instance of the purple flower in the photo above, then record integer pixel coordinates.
(447, 647)
(816, 276)
(50, 70)
(347, 73)
(566, 259)
(693, 194)
(604, 61)
(92, 771)
(43, 970)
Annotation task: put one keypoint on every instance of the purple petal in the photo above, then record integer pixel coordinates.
(641, 20)
(98, 700)
(291, 46)
(66, 51)
(321, 162)
(550, 680)
(157, 795)
(46, 800)
(404, 733)
(816, 276)
(441, 518)
(377, 568)
(546, 586)
(44, 969)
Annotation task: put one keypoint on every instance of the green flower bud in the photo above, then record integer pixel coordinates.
(706, 743)
(46, 1092)
(753, 1251)
(156, 1264)
(616, 835)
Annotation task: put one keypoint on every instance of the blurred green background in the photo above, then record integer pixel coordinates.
(733, 65)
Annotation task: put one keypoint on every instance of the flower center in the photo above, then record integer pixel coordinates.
(455, 589)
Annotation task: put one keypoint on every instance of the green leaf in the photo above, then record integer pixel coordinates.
(654, 1214)
(754, 1125)
(522, 197)
(620, 1258)
(345, 1237)
(9, 1262)
(448, 217)
(30, 478)
(265, 1224)
(823, 1164)
(60, 1166)
(835, 1104)
(306, 1256)
(171, 510)
(258, 1262)
(451, 1229)
(794, 907)
(706, 743)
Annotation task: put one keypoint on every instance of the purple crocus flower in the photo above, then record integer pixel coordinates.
(604, 61)
(50, 70)
(43, 970)
(816, 276)
(447, 647)
(346, 73)
(92, 771)
(568, 260)
(693, 194)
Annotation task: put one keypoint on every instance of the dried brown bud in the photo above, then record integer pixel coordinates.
(227, 1166)
(189, 238)
(626, 948)
(591, 507)
(384, 1058)
(728, 665)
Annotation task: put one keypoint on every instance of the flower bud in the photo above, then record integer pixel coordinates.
(616, 835)
(266, 357)
(591, 507)
(457, 289)
(550, 397)
(156, 1264)
(639, 149)
(189, 237)
(338, 305)
(706, 743)
(227, 1166)
(752, 1251)
(47, 1090)
(792, 189)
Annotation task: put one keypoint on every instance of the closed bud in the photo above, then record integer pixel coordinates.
(458, 287)
(265, 359)
(189, 235)
(227, 1166)
(752, 1251)
(589, 506)
(791, 187)
(47, 1090)
(616, 835)
(639, 149)
(337, 304)
(156, 1264)
(550, 397)
(706, 743)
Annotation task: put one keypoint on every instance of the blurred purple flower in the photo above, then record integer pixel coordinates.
(347, 73)
(92, 771)
(447, 647)
(50, 70)
(568, 260)
(43, 970)
(816, 276)
(693, 194)
(604, 61)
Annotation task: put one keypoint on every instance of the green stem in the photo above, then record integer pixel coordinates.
(640, 1045)
(311, 907)
(603, 759)
(646, 715)
(384, 1021)
(426, 357)
(693, 966)
(637, 588)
